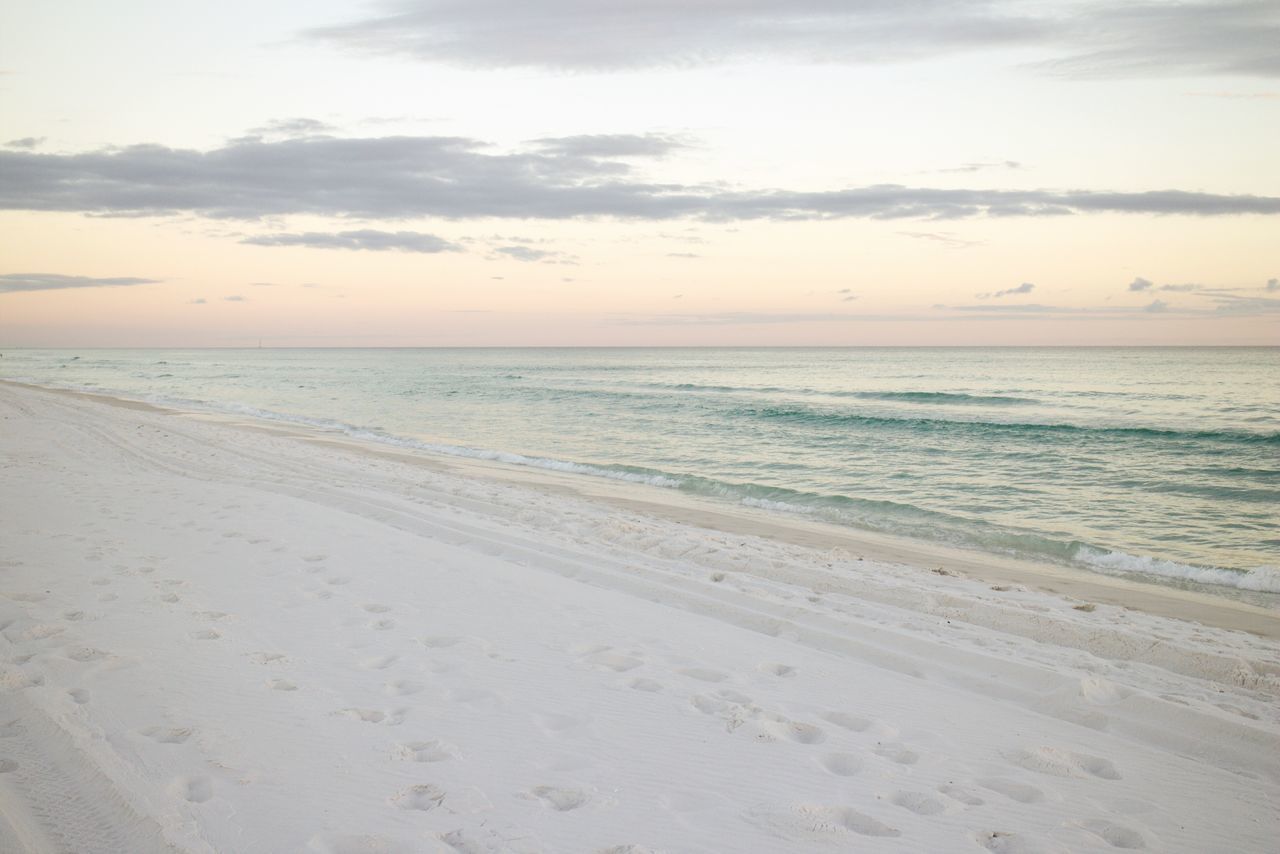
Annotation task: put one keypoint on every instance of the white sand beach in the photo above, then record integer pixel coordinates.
(233, 637)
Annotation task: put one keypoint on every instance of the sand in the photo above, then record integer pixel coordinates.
(229, 637)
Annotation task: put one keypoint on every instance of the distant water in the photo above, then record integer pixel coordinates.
(1161, 464)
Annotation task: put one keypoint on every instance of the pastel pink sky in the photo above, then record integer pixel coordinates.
(739, 172)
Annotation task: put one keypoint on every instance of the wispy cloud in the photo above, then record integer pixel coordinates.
(1024, 288)
(13, 282)
(368, 239)
(1083, 38)
(455, 178)
(978, 167)
(292, 127)
(946, 238)
(235, 298)
(26, 142)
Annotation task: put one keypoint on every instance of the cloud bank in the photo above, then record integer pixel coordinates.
(401, 177)
(14, 282)
(1078, 38)
(376, 241)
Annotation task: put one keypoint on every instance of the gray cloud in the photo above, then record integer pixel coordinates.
(1024, 288)
(1226, 304)
(298, 126)
(1083, 38)
(524, 253)
(234, 298)
(456, 178)
(611, 145)
(377, 241)
(13, 282)
(199, 301)
(1140, 284)
(26, 142)
(1230, 304)
(1273, 284)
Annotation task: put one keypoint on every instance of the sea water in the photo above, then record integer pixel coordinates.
(1158, 463)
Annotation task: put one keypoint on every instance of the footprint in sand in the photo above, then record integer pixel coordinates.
(73, 616)
(382, 625)
(282, 685)
(704, 674)
(842, 764)
(811, 823)
(1115, 835)
(375, 608)
(1063, 763)
(897, 753)
(8, 766)
(964, 796)
(171, 598)
(797, 731)
(404, 687)
(196, 790)
(85, 653)
(79, 695)
(426, 751)
(784, 671)
(268, 658)
(918, 803)
(204, 634)
(421, 797)
(440, 641)
(375, 716)
(615, 661)
(644, 684)
(560, 800)
(381, 662)
(167, 735)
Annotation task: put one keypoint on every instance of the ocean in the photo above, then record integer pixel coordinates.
(1161, 464)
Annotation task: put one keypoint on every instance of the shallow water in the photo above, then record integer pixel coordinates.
(1159, 463)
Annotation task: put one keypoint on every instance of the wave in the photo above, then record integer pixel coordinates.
(803, 415)
(1263, 579)
(945, 397)
(949, 397)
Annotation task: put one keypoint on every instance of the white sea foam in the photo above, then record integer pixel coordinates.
(1264, 579)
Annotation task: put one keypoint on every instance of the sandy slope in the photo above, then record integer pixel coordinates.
(219, 639)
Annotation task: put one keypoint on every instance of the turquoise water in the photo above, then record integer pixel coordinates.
(1163, 464)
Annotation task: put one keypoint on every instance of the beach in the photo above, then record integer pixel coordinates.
(227, 634)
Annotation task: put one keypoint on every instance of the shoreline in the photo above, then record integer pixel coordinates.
(229, 636)
(998, 570)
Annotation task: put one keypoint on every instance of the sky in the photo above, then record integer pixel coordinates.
(671, 172)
